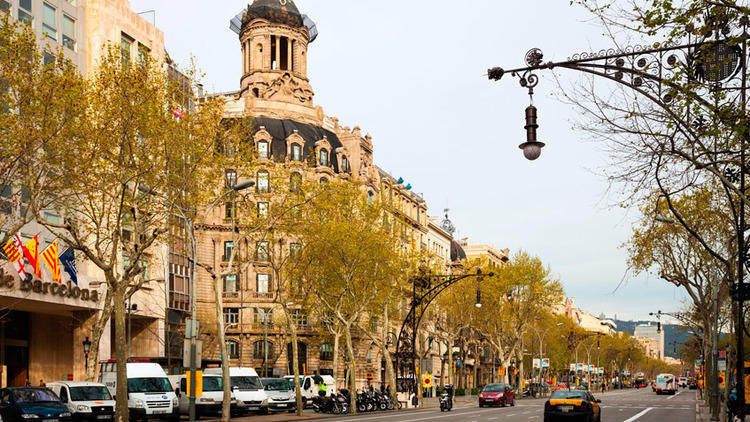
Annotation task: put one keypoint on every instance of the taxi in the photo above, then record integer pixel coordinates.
(573, 405)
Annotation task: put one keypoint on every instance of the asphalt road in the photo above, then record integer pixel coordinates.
(618, 406)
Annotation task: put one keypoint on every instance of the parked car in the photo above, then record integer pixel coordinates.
(20, 404)
(210, 402)
(572, 405)
(310, 389)
(87, 401)
(246, 387)
(692, 384)
(280, 394)
(497, 395)
(536, 388)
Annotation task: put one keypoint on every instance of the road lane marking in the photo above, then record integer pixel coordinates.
(638, 415)
(394, 415)
(675, 395)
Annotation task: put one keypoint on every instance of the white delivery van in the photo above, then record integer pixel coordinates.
(87, 401)
(246, 388)
(310, 389)
(210, 402)
(150, 394)
(665, 384)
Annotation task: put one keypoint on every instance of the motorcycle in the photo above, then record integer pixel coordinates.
(446, 398)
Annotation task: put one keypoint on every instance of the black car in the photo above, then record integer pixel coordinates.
(32, 404)
(577, 405)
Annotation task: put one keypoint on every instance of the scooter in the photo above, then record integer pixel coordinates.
(446, 398)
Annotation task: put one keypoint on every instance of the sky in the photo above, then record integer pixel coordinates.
(412, 74)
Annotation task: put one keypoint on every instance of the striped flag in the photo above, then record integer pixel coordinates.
(52, 259)
(14, 255)
(31, 252)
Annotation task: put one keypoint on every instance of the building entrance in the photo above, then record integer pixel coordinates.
(301, 356)
(14, 347)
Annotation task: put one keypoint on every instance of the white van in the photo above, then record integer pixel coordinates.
(210, 402)
(150, 394)
(665, 384)
(87, 401)
(310, 389)
(246, 388)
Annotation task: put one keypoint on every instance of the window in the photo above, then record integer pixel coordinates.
(48, 59)
(326, 351)
(230, 210)
(262, 315)
(262, 283)
(296, 152)
(344, 164)
(143, 54)
(262, 182)
(5, 6)
(369, 355)
(263, 149)
(263, 348)
(261, 251)
(231, 316)
(126, 42)
(6, 201)
(71, 2)
(262, 209)
(370, 197)
(294, 249)
(324, 157)
(230, 283)
(295, 182)
(299, 317)
(69, 32)
(323, 181)
(52, 217)
(24, 11)
(233, 349)
(49, 22)
(228, 248)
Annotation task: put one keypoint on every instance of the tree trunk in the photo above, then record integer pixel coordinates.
(96, 336)
(226, 381)
(352, 369)
(292, 326)
(451, 375)
(121, 352)
(336, 341)
(390, 375)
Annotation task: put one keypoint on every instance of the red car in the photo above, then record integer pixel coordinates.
(497, 395)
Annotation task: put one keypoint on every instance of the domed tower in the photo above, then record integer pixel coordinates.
(274, 38)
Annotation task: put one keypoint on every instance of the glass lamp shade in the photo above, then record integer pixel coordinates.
(532, 150)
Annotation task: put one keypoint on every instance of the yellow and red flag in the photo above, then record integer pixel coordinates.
(52, 259)
(31, 252)
(13, 252)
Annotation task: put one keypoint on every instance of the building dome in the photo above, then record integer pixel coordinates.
(283, 12)
(457, 252)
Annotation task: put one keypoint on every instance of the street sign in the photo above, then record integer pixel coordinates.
(427, 381)
(572, 366)
(186, 353)
(198, 383)
(545, 362)
(192, 328)
(536, 363)
(721, 364)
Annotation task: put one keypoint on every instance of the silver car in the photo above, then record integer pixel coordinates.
(280, 395)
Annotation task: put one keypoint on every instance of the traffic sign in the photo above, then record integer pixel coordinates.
(427, 381)
(545, 362)
(536, 363)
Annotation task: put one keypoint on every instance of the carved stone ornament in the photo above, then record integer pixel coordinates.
(286, 86)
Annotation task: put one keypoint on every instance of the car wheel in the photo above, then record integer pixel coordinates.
(480, 405)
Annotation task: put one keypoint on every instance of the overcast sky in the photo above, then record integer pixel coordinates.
(411, 73)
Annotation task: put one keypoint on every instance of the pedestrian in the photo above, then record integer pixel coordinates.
(27, 383)
(42, 384)
(603, 387)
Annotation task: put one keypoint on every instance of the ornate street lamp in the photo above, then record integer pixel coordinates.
(86, 349)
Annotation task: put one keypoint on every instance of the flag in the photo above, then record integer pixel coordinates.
(68, 259)
(52, 259)
(31, 252)
(14, 255)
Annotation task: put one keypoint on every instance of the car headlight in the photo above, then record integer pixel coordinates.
(64, 415)
(175, 402)
(29, 416)
(265, 402)
(139, 404)
(83, 408)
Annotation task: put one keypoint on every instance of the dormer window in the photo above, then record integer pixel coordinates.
(263, 149)
(344, 164)
(324, 157)
(296, 152)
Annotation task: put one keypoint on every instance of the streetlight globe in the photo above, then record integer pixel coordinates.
(532, 150)
(478, 305)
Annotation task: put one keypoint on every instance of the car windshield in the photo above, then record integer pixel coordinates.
(212, 384)
(149, 385)
(276, 384)
(34, 395)
(494, 388)
(89, 393)
(562, 394)
(247, 383)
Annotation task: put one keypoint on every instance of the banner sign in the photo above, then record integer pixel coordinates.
(537, 364)
(545, 362)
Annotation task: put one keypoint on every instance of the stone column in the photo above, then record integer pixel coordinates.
(290, 54)
(278, 52)
(244, 57)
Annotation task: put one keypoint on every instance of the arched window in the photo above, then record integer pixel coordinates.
(262, 183)
(326, 351)
(259, 352)
(233, 349)
(369, 355)
(370, 197)
(323, 181)
(295, 182)
(324, 157)
(296, 152)
(263, 150)
(344, 165)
